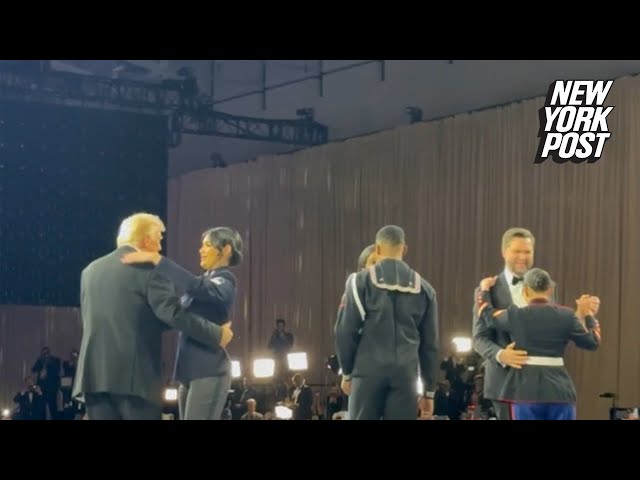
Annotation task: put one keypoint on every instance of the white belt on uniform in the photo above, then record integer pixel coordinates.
(546, 361)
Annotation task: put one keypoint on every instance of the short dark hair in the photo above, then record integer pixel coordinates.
(538, 280)
(364, 256)
(390, 235)
(220, 237)
(280, 320)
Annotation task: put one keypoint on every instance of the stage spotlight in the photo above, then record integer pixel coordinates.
(297, 361)
(236, 372)
(263, 368)
(6, 413)
(283, 413)
(171, 394)
(463, 344)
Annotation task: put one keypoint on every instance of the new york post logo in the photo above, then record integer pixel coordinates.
(573, 122)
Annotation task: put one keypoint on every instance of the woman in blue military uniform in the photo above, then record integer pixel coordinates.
(204, 372)
(542, 389)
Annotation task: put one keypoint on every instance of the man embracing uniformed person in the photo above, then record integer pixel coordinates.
(387, 335)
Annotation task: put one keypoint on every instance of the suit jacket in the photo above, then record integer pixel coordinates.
(50, 365)
(210, 295)
(488, 342)
(280, 346)
(33, 408)
(304, 403)
(125, 309)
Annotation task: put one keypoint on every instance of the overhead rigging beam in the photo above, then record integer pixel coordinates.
(209, 122)
(173, 98)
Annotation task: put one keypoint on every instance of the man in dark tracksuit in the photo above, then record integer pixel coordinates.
(542, 389)
(387, 335)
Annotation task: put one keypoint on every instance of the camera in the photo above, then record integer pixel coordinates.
(617, 413)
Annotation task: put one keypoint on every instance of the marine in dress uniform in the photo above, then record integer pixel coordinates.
(542, 389)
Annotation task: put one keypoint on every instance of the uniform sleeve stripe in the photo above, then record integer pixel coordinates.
(356, 297)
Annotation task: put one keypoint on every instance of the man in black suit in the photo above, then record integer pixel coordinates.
(302, 398)
(47, 372)
(31, 402)
(495, 346)
(125, 309)
(280, 344)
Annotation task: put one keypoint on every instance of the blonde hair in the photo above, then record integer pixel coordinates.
(134, 228)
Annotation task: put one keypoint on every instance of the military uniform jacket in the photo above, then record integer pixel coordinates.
(388, 318)
(544, 330)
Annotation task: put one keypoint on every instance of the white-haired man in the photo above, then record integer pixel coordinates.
(125, 310)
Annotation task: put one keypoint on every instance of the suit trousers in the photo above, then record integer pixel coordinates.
(204, 398)
(502, 409)
(384, 397)
(110, 406)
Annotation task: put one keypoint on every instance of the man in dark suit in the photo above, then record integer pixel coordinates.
(495, 346)
(47, 372)
(280, 344)
(302, 398)
(125, 310)
(31, 402)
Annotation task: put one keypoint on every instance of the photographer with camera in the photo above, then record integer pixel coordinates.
(47, 371)
(31, 403)
(280, 344)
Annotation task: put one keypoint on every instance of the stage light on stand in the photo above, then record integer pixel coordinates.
(297, 361)
(462, 344)
(263, 368)
(283, 413)
(236, 371)
(171, 394)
